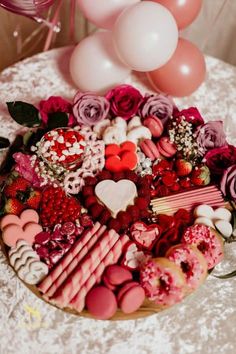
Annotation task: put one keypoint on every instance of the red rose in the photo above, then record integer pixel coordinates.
(125, 101)
(56, 104)
(218, 160)
(191, 115)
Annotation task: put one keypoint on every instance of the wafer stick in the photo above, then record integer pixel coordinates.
(189, 201)
(78, 302)
(71, 266)
(193, 196)
(83, 271)
(172, 210)
(54, 274)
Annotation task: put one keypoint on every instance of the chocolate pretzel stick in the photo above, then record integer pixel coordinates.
(75, 249)
(78, 302)
(71, 266)
(83, 271)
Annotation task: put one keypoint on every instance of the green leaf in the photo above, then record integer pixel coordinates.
(226, 276)
(4, 143)
(24, 113)
(57, 120)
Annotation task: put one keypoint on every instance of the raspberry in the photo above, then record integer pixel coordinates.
(133, 210)
(87, 191)
(169, 178)
(117, 176)
(90, 181)
(96, 210)
(90, 201)
(104, 175)
(114, 224)
(124, 218)
(131, 176)
(162, 191)
(175, 187)
(142, 192)
(141, 203)
(144, 213)
(163, 165)
(85, 220)
(104, 217)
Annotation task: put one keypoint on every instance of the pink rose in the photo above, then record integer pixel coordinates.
(125, 101)
(160, 106)
(210, 136)
(191, 115)
(56, 104)
(219, 159)
(90, 108)
(228, 183)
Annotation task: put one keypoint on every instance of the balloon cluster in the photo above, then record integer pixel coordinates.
(142, 36)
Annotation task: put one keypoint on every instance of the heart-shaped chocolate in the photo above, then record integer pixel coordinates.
(145, 235)
(121, 158)
(116, 196)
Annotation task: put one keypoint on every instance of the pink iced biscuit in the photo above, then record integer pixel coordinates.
(75, 249)
(101, 303)
(78, 302)
(150, 149)
(117, 275)
(132, 299)
(84, 270)
(12, 233)
(166, 148)
(28, 215)
(155, 126)
(75, 261)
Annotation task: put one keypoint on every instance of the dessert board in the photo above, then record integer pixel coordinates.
(121, 175)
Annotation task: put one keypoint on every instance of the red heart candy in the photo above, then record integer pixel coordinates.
(121, 158)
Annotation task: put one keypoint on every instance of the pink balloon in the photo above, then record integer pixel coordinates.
(145, 36)
(103, 13)
(183, 73)
(30, 8)
(94, 65)
(184, 11)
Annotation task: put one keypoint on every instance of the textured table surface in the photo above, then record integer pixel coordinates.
(203, 323)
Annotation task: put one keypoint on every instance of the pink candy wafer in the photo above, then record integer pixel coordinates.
(75, 249)
(83, 271)
(72, 265)
(78, 302)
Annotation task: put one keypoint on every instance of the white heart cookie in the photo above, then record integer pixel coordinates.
(116, 196)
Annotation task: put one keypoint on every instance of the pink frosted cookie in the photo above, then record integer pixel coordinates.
(155, 126)
(117, 275)
(131, 297)
(166, 148)
(163, 281)
(192, 263)
(101, 303)
(208, 241)
(149, 149)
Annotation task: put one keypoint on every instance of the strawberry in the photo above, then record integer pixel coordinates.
(34, 199)
(183, 167)
(200, 176)
(161, 166)
(185, 182)
(13, 206)
(14, 186)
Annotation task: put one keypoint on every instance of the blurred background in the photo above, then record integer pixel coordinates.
(214, 32)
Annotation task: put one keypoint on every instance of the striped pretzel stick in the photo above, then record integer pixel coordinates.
(72, 265)
(84, 270)
(78, 302)
(54, 274)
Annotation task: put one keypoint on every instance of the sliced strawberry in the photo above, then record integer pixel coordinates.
(13, 187)
(34, 199)
(13, 206)
(201, 176)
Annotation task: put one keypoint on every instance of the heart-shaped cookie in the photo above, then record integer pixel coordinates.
(116, 196)
(28, 215)
(121, 157)
(133, 258)
(12, 233)
(144, 235)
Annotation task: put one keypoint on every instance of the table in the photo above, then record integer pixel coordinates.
(203, 323)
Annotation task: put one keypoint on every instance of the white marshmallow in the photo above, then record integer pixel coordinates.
(204, 210)
(205, 221)
(224, 227)
(222, 214)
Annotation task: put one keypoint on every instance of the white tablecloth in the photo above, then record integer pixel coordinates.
(203, 323)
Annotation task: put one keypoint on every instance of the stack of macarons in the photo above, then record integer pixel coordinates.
(164, 147)
(118, 290)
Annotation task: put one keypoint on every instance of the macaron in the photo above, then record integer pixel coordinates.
(130, 297)
(155, 126)
(101, 303)
(149, 149)
(117, 275)
(166, 147)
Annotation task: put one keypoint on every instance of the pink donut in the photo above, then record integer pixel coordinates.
(165, 147)
(117, 275)
(208, 241)
(150, 149)
(132, 298)
(155, 126)
(101, 303)
(163, 281)
(192, 263)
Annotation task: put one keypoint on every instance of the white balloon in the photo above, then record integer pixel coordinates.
(95, 66)
(145, 36)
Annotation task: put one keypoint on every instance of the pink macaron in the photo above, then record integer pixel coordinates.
(149, 149)
(101, 303)
(116, 275)
(155, 126)
(166, 147)
(131, 297)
